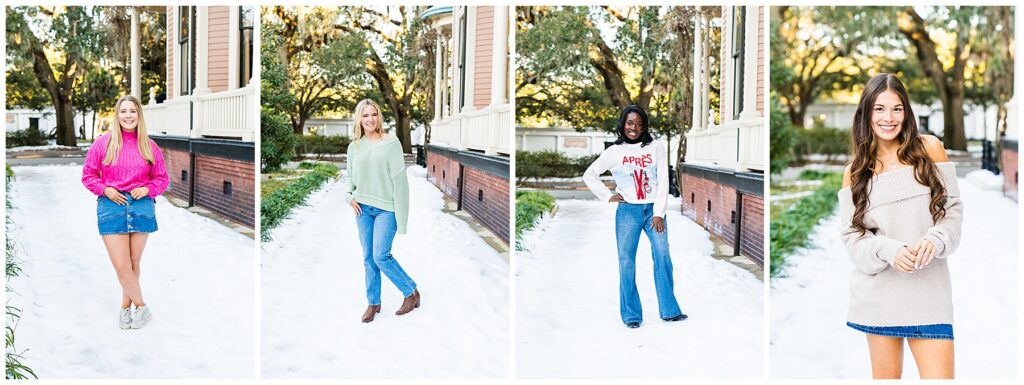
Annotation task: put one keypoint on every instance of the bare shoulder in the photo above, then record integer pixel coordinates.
(847, 179)
(933, 146)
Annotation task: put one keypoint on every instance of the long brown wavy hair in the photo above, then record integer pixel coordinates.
(911, 151)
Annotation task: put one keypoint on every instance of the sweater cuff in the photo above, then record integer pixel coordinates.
(940, 247)
(888, 249)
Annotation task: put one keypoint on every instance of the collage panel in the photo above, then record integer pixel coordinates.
(130, 134)
(385, 192)
(894, 193)
(639, 192)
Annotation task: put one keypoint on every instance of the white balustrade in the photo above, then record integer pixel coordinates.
(227, 115)
(486, 130)
(736, 144)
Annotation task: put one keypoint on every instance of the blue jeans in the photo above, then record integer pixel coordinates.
(630, 219)
(377, 230)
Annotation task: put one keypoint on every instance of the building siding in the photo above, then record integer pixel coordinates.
(760, 60)
(483, 55)
(172, 33)
(217, 48)
(1010, 168)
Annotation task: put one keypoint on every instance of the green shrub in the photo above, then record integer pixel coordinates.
(530, 207)
(277, 142)
(550, 164)
(320, 145)
(821, 140)
(27, 137)
(276, 207)
(782, 137)
(16, 370)
(790, 229)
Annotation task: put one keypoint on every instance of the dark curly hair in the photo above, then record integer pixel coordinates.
(645, 137)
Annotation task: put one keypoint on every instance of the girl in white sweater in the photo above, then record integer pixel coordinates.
(640, 169)
(902, 213)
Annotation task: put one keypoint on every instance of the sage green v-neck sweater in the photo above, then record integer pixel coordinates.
(897, 216)
(376, 174)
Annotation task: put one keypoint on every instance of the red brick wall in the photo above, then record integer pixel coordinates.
(443, 173)
(177, 161)
(696, 193)
(211, 173)
(492, 210)
(752, 234)
(1010, 174)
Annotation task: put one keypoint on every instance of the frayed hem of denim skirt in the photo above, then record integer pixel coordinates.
(931, 332)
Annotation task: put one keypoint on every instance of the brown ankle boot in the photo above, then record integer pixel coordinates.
(371, 311)
(410, 302)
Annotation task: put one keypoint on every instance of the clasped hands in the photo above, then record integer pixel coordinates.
(116, 196)
(910, 258)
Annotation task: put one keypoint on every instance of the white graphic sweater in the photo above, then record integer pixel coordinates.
(641, 174)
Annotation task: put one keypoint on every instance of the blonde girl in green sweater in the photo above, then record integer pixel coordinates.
(379, 195)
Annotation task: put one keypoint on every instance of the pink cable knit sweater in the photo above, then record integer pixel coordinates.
(130, 171)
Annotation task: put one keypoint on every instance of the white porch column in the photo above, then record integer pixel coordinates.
(697, 74)
(498, 53)
(438, 78)
(706, 81)
(202, 51)
(750, 58)
(136, 55)
(470, 71)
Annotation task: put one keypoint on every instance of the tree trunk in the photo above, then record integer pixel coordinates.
(949, 85)
(65, 123)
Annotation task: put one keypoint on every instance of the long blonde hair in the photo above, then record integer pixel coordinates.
(114, 144)
(357, 115)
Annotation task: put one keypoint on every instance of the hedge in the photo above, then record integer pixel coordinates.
(276, 207)
(320, 144)
(550, 164)
(530, 207)
(790, 230)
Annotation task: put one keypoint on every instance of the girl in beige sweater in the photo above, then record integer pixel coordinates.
(901, 212)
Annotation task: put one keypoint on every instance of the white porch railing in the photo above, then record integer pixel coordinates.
(486, 130)
(736, 144)
(229, 115)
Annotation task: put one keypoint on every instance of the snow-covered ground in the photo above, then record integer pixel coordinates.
(809, 336)
(314, 295)
(48, 147)
(567, 304)
(198, 279)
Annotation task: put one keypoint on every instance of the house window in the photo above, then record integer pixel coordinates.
(462, 58)
(186, 29)
(738, 43)
(247, 16)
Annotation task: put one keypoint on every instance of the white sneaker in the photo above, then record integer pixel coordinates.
(140, 316)
(126, 318)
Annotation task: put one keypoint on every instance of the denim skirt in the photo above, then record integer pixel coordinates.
(934, 332)
(135, 216)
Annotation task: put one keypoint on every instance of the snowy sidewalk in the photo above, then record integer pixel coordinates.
(567, 304)
(314, 295)
(198, 278)
(809, 335)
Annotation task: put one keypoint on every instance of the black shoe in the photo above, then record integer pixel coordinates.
(632, 325)
(679, 317)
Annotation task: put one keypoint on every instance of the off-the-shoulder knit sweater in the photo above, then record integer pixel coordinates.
(897, 216)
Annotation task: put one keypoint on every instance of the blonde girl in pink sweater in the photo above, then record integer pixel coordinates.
(125, 169)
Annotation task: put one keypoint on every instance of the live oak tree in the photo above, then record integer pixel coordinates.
(67, 39)
(582, 65)
(337, 56)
